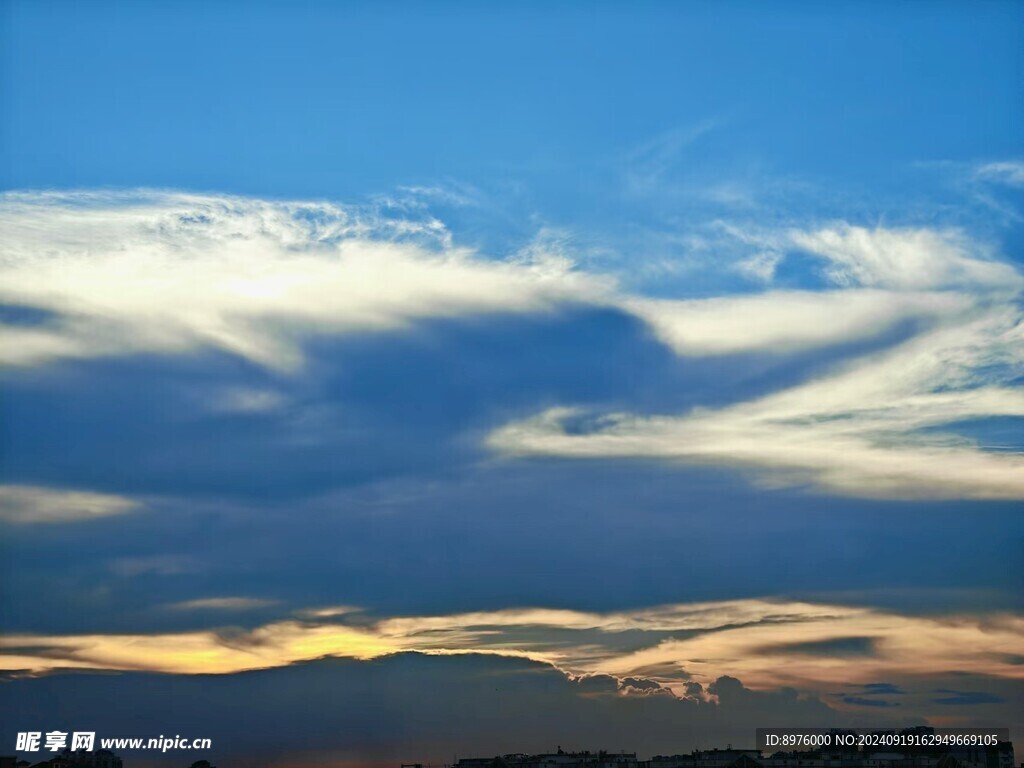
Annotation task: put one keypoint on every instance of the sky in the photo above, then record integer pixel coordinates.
(389, 382)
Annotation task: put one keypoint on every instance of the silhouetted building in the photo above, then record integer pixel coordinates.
(101, 758)
(994, 756)
(559, 759)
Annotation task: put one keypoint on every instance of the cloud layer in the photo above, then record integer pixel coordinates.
(683, 660)
(100, 274)
(767, 643)
(401, 707)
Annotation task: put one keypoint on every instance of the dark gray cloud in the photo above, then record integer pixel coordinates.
(868, 695)
(881, 688)
(500, 535)
(401, 707)
(863, 701)
(837, 646)
(597, 684)
(954, 698)
(641, 684)
(694, 690)
(353, 470)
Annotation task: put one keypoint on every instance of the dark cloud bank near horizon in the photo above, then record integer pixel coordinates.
(406, 706)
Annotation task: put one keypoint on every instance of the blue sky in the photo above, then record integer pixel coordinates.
(598, 349)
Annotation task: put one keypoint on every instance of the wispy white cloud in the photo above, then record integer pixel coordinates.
(221, 604)
(29, 504)
(905, 259)
(1009, 172)
(828, 434)
(246, 400)
(164, 272)
(648, 164)
(867, 427)
(784, 321)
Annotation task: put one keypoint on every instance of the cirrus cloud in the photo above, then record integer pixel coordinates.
(871, 426)
(172, 273)
(101, 274)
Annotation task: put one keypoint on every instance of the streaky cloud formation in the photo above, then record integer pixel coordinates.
(220, 604)
(766, 643)
(906, 259)
(866, 427)
(169, 272)
(172, 273)
(27, 505)
(1009, 172)
(787, 321)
